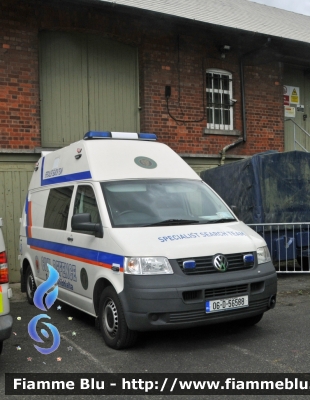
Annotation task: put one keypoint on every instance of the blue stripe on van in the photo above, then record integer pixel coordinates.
(77, 253)
(77, 176)
(66, 178)
(26, 212)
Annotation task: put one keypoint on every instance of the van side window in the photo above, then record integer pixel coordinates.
(85, 202)
(57, 208)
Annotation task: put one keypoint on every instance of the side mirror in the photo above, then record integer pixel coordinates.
(82, 222)
(235, 210)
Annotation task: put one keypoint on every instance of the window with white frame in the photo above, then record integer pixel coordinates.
(219, 99)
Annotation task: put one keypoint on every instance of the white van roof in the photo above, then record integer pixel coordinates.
(115, 156)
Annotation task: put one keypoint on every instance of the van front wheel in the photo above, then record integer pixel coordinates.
(30, 285)
(112, 321)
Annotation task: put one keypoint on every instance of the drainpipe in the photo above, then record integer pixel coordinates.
(229, 146)
(242, 98)
(243, 138)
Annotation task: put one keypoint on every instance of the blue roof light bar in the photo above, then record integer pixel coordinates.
(97, 135)
(147, 136)
(118, 135)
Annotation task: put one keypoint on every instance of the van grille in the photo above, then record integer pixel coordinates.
(226, 291)
(204, 264)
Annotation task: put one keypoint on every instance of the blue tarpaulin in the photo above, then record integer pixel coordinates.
(269, 187)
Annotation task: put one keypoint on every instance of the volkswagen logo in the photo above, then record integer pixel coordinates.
(220, 262)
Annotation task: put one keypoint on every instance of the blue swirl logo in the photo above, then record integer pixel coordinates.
(44, 287)
(42, 294)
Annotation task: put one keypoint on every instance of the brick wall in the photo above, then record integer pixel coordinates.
(19, 91)
(182, 64)
(168, 55)
(265, 111)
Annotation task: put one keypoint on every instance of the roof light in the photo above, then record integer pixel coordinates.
(97, 135)
(147, 136)
(124, 135)
(119, 135)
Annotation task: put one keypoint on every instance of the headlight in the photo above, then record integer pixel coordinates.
(263, 255)
(147, 266)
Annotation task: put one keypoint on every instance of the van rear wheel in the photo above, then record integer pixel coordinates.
(30, 285)
(112, 321)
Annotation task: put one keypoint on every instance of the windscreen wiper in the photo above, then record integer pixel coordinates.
(219, 221)
(174, 222)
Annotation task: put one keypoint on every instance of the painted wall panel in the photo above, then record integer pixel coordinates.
(14, 181)
(86, 83)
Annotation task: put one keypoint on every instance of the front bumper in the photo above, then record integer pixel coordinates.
(6, 323)
(178, 301)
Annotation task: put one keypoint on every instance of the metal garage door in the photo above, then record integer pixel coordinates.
(87, 82)
(14, 180)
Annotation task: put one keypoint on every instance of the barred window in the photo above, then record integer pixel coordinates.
(219, 99)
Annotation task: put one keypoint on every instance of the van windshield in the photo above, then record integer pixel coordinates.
(154, 202)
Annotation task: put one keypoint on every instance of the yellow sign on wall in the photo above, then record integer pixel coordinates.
(292, 93)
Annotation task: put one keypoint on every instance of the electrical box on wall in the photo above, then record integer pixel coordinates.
(167, 91)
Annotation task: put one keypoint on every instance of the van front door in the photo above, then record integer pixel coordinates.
(85, 249)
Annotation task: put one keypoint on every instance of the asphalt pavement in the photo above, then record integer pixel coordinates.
(278, 344)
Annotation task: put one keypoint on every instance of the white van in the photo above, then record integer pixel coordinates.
(139, 241)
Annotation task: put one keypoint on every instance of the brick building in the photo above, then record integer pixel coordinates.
(206, 76)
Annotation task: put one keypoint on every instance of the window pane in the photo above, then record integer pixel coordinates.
(226, 117)
(217, 100)
(209, 99)
(85, 202)
(225, 82)
(226, 100)
(217, 116)
(209, 81)
(57, 208)
(210, 116)
(216, 81)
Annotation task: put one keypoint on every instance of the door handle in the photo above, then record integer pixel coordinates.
(70, 239)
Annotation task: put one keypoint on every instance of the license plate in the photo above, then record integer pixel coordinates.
(227, 304)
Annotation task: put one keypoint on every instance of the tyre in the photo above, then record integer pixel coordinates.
(250, 321)
(303, 262)
(113, 326)
(30, 285)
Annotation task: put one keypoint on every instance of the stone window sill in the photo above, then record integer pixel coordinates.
(233, 132)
